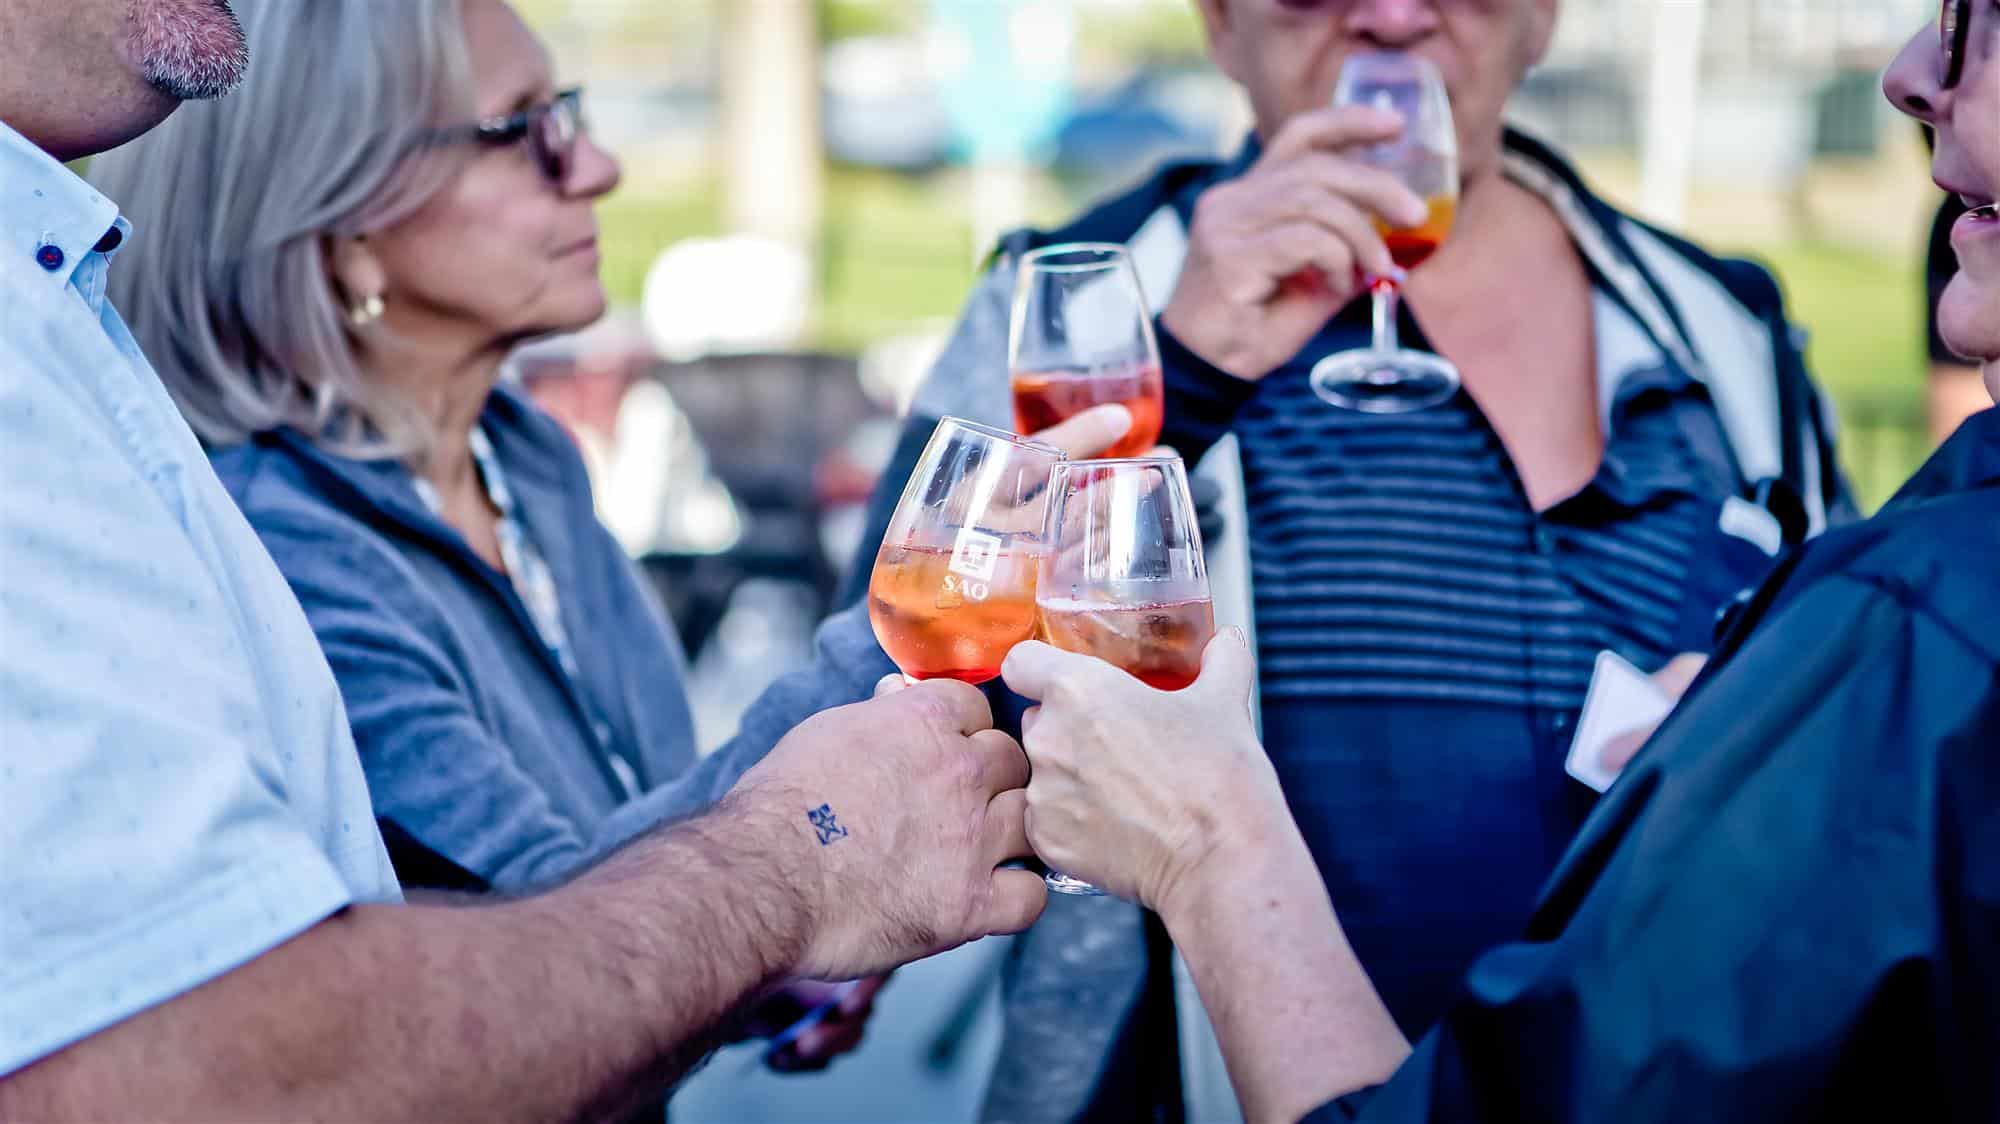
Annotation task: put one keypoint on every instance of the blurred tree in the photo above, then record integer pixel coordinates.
(849, 19)
(1151, 33)
(543, 13)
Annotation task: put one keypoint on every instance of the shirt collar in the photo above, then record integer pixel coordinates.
(50, 219)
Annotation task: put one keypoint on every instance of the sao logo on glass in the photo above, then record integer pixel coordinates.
(973, 558)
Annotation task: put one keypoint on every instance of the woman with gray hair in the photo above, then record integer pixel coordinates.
(337, 262)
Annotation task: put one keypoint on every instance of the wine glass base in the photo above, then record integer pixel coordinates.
(1063, 884)
(1398, 382)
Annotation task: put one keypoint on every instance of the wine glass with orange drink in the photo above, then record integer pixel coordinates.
(1082, 336)
(1123, 577)
(953, 589)
(1387, 378)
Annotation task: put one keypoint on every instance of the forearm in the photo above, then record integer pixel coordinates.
(1298, 1021)
(573, 1004)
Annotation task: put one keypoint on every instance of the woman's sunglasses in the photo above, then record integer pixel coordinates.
(1954, 25)
(551, 130)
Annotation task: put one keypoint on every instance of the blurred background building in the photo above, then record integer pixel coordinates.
(811, 186)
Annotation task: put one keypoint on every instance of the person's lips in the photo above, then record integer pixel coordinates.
(1973, 200)
(1982, 221)
(585, 246)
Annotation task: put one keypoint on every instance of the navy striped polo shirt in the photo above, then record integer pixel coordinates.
(1425, 637)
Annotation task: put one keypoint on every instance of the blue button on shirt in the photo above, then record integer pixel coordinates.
(179, 791)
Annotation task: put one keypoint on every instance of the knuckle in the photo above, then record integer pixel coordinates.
(967, 771)
(932, 702)
(1328, 170)
(963, 699)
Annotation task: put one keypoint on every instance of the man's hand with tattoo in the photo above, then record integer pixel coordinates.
(897, 814)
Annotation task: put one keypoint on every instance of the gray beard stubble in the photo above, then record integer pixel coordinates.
(187, 56)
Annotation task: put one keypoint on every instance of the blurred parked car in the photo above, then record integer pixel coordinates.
(879, 105)
(1152, 116)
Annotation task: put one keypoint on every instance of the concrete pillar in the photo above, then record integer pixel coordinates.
(773, 179)
(1673, 97)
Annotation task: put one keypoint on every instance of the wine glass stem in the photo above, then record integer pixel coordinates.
(1386, 341)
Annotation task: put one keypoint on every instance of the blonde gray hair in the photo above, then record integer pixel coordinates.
(236, 204)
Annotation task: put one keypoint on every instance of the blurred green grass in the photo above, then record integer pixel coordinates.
(897, 252)
(1864, 312)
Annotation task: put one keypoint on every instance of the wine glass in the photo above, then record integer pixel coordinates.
(1387, 378)
(953, 587)
(1124, 578)
(1082, 336)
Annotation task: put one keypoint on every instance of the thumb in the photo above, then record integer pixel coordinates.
(1226, 667)
(1032, 668)
(1090, 432)
(1679, 674)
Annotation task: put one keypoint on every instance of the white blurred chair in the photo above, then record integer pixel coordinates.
(739, 293)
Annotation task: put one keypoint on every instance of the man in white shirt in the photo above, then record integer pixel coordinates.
(197, 913)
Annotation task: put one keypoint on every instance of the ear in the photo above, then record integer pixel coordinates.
(1217, 19)
(356, 271)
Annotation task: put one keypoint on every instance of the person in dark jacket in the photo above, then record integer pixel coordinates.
(1787, 907)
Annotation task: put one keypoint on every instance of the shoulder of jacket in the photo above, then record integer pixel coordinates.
(1120, 217)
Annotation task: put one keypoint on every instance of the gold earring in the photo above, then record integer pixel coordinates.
(367, 312)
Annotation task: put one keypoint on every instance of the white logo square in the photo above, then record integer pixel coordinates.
(975, 555)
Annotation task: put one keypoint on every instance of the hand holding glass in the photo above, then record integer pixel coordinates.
(1124, 578)
(1386, 378)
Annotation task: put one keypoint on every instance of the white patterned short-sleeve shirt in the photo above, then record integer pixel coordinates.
(179, 791)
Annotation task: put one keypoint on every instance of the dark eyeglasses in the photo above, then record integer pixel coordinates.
(1954, 25)
(551, 130)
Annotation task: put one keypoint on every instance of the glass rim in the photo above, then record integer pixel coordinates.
(1006, 435)
(1103, 255)
(1121, 462)
(1392, 56)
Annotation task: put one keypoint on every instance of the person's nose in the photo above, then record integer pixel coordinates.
(593, 172)
(1393, 23)
(1912, 82)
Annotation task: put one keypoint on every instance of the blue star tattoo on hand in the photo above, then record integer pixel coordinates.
(825, 824)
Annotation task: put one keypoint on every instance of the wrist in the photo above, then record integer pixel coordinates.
(1223, 351)
(1248, 831)
(778, 890)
